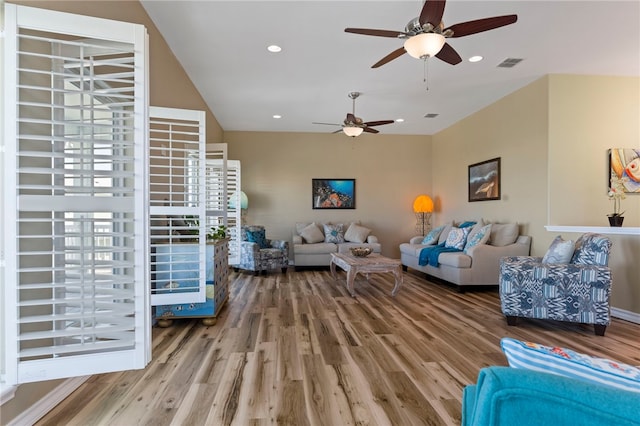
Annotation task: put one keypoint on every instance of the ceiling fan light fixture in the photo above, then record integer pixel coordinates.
(425, 45)
(352, 131)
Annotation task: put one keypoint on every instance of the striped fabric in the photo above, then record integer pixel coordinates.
(568, 363)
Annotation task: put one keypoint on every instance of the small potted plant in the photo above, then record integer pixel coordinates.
(217, 233)
(616, 193)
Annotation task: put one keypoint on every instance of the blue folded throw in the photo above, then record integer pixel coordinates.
(429, 255)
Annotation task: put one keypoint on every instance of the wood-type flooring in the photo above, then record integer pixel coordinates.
(296, 349)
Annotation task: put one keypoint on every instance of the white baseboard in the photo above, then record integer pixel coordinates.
(7, 393)
(48, 402)
(625, 315)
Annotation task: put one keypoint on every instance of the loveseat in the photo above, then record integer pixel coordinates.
(475, 261)
(313, 242)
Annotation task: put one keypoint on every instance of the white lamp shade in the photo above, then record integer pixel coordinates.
(352, 131)
(424, 45)
(244, 201)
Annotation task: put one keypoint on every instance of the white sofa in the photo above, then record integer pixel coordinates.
(313, 242)
(480, 265)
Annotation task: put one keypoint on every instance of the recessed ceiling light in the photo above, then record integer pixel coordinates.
(399, 120)
(277, 116)
(274, 48)
(476, 58)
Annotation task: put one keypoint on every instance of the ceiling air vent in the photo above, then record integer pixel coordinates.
(431, 115)
(509, 62)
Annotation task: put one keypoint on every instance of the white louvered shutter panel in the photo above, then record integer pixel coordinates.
(218, 192)
(76, 287)
(214, 174)
(234, 212)
(177, 206)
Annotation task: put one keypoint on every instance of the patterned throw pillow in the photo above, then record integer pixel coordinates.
(592, 249)
(258, 237)
(333, 233)
(480, 237)
(432, 236)
(560, 251)
(457, 237)
(565, 362)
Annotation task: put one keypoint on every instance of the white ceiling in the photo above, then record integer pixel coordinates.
(222, 46)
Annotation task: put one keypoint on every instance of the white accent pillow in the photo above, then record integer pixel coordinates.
(357, 233)
(312, 234)
(503, 234)
(333, 233)
(457, 237)
(560, 251)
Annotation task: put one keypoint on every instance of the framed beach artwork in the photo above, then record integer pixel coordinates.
(624, 169)
(484, 180)
(333, 193)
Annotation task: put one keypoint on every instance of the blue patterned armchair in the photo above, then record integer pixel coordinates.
(260, 254)
(576, 292)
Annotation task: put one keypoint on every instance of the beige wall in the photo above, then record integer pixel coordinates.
(277, 169)
(588, 116)
(514, 129)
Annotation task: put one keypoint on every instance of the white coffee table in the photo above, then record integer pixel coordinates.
(372, 264)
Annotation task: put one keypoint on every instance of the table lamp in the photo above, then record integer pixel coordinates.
(423, 207)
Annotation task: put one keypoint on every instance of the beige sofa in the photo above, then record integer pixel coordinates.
(313, 242)
(479, 265)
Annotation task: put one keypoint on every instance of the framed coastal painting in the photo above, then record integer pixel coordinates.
(624, 169)
(333, 193)
(484, 180)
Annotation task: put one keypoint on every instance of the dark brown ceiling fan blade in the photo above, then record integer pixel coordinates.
(370, 130)
(337, 131)
(378, 123)
(449, 55)
(473, 27)
(351, 118)
(390, 57)
(373, 32)
(432, 12)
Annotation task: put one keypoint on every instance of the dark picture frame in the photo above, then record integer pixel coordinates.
(484, 180)
(333, 193)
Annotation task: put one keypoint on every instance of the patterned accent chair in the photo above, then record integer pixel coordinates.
(577, 292)
(260, 254)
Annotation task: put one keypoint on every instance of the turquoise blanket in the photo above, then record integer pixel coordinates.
(429, 255)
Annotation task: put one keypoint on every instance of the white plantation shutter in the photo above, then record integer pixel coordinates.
(214, 171)
(76, 288)
(217, 185)
(177, 205)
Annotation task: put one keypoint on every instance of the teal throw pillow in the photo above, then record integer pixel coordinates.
(466, 224)
(432, 236)
(480, 237)
(258, 237)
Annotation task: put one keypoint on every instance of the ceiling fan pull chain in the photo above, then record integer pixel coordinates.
(425, 73)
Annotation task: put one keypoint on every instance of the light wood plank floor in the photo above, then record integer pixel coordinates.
(296, 349)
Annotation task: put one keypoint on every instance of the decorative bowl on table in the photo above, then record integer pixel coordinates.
(361, 251)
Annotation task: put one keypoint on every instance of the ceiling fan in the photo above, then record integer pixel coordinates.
(425, 35)
(354, 126)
